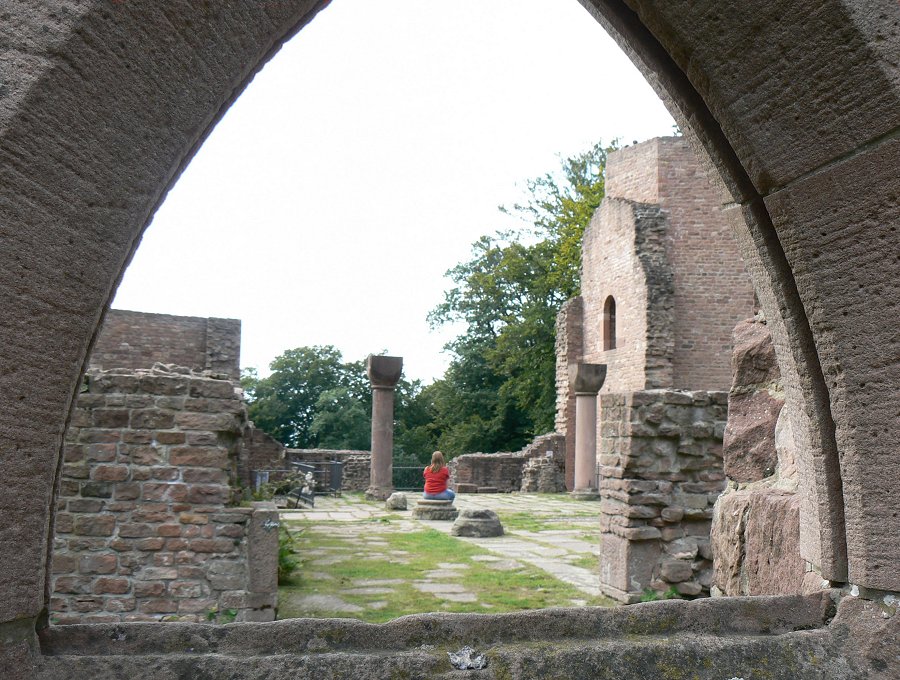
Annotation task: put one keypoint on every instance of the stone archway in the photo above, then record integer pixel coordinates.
(795, 108)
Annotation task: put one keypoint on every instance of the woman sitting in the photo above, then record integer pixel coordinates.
(436, 477)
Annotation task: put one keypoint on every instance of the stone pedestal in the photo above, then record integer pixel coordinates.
(435, 510)
(586, 380)
(477, 522)
(384, 372)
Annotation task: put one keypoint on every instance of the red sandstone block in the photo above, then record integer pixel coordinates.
(119, 506)
(196, 456)
(193, 518)
(95, 525)
(176, 544)
(121, 545)
(230, 530)
(212, 422)
(207, 531)
(145, 455)
(119, 604)
(190, 571)
(111, 586)
(201, 475)
(212, 545)
(137, 437)
(163, 559)
(73, 453)
(158, 606)
(64, 523)
(127, 492)
(183, 589)
(191, 531)
(188, 557)
(91, 436)
(64, 564)
(208, 494)
(86, 603)
(166, 473)
(192, 606)
(202, 439)
(110, 473)
(136, 530)
(216, 389)
(169, 403)
(110, 418)
(141, 473)
(169, 530)
(68, 488)
(149, 544)
(85, 505)
(157, 574)
(98, 564)
(76, 470)
(138, 400)
(164, 385)
(72, 584)
(169, 438)
(181, 507)
(152, 419)
(149, 588)
(164, 492)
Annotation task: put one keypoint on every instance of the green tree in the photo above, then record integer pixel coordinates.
(499, 390)
(284, 404)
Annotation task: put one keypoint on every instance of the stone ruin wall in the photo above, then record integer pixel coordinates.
(756, 528)
(712, 290)
(569, 341)
(506, 472)
(624, 255)
(139, 340)
(661, 472)
(146, 527)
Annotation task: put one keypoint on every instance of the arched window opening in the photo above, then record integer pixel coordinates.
(609, 323)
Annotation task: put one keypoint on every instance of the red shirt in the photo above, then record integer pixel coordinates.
(435, 482)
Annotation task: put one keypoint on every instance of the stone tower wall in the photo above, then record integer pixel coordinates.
(139, 340)
(712, 290)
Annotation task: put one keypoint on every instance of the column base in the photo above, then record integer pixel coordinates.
(374, 493)
(585, 495)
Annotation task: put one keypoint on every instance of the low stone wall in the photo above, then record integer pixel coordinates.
(661, 472)
(756, 528)
(146, 529)
(503, 472)
(259, 451)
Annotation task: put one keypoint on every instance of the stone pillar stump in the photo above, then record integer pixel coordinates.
(384, 372)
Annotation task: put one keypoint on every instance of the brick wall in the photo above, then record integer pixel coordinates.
(712, 290)
(139, 340)
(146, 529)
(660, 475)
(569, 343)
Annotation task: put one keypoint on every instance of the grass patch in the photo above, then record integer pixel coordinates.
(408, 557)
(526, 521)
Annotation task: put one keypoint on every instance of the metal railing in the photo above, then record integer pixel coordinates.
(408, 478)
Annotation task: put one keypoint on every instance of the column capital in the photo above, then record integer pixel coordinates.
(586, 378)
(384, 372)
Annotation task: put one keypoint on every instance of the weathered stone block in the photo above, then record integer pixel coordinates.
(479, 522)
(435, 510)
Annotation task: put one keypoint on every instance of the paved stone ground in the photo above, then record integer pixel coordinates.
(572, 535)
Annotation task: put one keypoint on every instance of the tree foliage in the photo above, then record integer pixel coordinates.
(500, 388)
(312, 398)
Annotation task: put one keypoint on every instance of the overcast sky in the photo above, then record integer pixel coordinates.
(367, 156)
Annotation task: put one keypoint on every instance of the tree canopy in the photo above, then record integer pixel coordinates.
(500, 388)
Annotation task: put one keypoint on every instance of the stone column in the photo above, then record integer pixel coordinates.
(384, 372)
(585, 381)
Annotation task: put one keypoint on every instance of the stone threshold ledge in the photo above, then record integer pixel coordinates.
(778, 637)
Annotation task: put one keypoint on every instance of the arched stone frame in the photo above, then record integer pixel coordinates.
(104, 103)
(609, 323)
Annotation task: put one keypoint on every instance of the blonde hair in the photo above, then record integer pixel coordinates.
(437, 461)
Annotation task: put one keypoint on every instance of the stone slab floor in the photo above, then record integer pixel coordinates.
(546, 534)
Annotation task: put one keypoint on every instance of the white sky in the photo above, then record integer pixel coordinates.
(367, 156)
